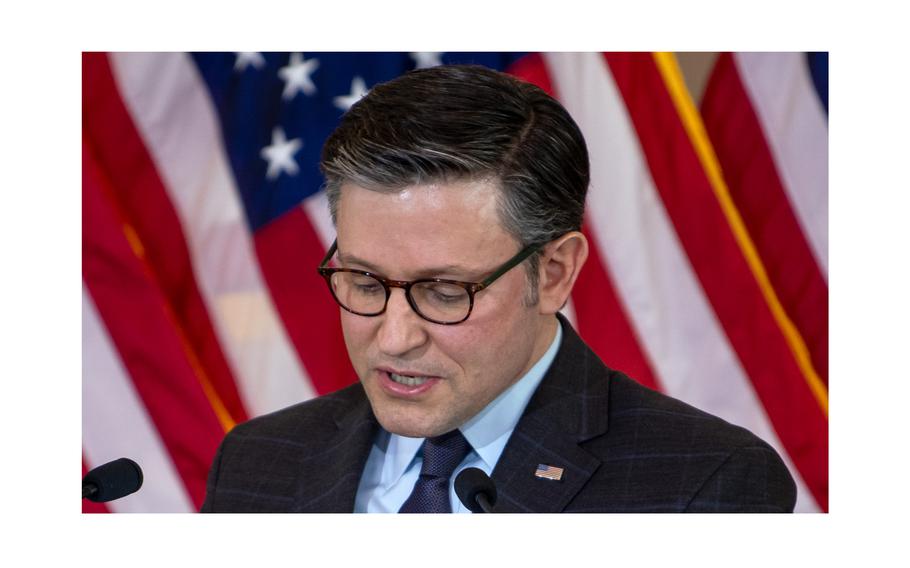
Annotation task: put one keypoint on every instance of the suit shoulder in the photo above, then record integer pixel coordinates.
(677, 421)
(261, 465)
(727, 467)
(310, 417)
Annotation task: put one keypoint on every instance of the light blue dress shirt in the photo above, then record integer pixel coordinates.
(394, 463)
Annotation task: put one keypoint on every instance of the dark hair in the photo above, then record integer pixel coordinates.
(458, 122)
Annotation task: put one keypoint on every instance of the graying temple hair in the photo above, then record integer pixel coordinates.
(467, 122)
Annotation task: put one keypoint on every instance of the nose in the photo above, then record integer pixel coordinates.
(401, 329)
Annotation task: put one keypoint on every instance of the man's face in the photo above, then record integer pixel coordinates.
(448, 231)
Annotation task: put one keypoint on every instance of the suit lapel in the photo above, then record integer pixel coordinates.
(569, 407)
(332, 488)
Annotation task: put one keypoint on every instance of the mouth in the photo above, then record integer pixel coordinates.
(408, 380)
(405, 384)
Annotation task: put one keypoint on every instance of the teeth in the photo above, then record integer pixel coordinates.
(408, 381)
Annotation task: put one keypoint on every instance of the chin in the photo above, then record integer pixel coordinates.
(411, 426)
(425, 419)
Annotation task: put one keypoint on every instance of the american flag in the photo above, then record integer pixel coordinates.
(204, 220)
(548, 472)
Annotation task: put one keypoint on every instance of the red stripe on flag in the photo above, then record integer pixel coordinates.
(289, 250)
(603, 322)
(91, 506)
(722, 270)
(146, 334)
(756, 187)
(143, 201)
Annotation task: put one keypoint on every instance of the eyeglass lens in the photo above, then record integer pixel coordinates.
(437, 301)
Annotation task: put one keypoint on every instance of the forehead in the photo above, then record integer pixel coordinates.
(423, 225)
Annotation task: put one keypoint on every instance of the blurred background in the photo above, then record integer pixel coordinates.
(203, 221)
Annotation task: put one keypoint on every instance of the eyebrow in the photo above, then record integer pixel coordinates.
(430, 272)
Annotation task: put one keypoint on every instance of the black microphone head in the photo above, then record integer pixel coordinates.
(113, 480)
(472, 482)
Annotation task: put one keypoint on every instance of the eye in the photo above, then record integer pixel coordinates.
(441, 293)
(446, 298)
(367, 285)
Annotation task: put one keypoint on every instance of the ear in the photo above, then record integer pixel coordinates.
(560, 264)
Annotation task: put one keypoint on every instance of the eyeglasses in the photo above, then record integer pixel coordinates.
(441, 301)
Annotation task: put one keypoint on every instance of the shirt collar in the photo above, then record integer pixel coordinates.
(488, 431)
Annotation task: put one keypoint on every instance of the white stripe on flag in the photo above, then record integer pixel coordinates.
(793, 120)
(316, 208)
(115, 424)
(667, 308)
(173, 112)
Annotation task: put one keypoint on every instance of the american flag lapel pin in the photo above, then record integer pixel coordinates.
(545, 471)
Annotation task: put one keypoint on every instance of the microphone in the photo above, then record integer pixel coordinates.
(476, 490)
(112, 480)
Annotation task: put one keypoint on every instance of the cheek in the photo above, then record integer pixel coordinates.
(457, 341)
(475, 346)
(358, 335)
(500, 337)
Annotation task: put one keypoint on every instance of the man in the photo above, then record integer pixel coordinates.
(458, 195)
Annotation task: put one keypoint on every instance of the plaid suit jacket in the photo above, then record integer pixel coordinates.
(623, 448)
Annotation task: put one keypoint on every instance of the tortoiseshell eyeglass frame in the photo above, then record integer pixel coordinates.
(470, 287)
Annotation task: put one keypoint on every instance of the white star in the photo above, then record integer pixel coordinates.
(297, 76)
(280, 154)
(427, 59)
(358, 90)
(245, 58)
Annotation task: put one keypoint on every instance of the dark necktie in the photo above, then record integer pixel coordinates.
(441, 455)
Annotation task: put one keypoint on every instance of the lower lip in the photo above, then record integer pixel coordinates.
(404, 391)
